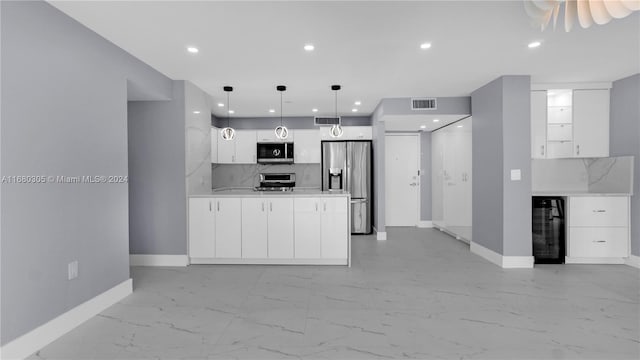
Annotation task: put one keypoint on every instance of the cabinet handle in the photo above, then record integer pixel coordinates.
(218, 205)
(541, 149)
(599, 241)
(263, 206)
(599, 211)
(325, 206)
(209, 205)
(577, 149)
(271, 206)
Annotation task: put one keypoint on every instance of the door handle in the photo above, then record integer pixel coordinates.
(413, 184)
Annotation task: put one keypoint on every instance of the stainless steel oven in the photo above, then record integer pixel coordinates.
(275, 152)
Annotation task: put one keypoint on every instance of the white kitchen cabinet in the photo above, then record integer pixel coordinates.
(307, 228)
(240, 150)
(228, 227)
(334, 228)
(598, 242)
(245, 147)
(307, 148)
(577, 123)
(349, 133)
(591, 123)
(201, 228)
(280, 228)
(270, 136)
(538, 124)
(254, 228)
(215, 135)
(598, 229)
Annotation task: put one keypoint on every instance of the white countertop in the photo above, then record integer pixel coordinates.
(250, 192)
(575, 193)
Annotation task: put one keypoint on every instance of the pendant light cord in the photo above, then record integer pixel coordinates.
(280, 108)
(336, 97)
(228, 111)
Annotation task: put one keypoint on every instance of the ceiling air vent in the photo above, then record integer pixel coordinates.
(326, 121)
(423, 104)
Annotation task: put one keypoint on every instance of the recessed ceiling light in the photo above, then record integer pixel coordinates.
(231, 112)
(459, 126)
(534, 44)
(357, 103)
(314, 110)
(436, 120)
(309, 47)
(354, 110)
(220, 105)
(425, 46)
(423, 126)
(192, 49)
(196, 112)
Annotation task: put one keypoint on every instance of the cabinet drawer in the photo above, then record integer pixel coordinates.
(598, 242)
(598, 211)
(559, 115)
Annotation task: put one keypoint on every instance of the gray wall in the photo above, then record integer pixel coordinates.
(157, 187)
(290, 122)
(64, 112)
(625, 140)
(378, 169)
(501, 138)
(425, 176)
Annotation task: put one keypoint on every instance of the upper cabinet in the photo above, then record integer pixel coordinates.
(349, 133)
(307, 147)
(240, 150)
(270, 136)
(568, 123)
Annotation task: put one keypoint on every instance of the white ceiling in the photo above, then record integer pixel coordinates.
(415, 122)
(370, 48)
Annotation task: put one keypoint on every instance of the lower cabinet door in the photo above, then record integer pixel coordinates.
(334, 228)
(201, 228)
(280, 228)
(228, 227)
(254, 228)
(598, 242)
(307, 228)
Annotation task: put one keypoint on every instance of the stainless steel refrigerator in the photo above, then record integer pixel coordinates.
(346, 166)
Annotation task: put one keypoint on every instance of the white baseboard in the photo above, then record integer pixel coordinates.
(505, 262)
(158, 260)
(600, 261)
(425, 224)
(381, 235)
(633, 260)
(43, 335)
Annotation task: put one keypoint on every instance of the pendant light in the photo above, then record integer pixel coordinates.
(281, 131)
(228, 133)
(336, 130)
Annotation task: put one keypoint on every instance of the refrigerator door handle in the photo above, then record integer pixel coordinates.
(358, 201)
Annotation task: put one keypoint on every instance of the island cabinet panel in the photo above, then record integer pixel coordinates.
(307, 228)
(228, 228)
(201, 228)
(254, 228)
(334, 228)
(280, 228)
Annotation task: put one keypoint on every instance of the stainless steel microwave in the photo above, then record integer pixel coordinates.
(274, 152)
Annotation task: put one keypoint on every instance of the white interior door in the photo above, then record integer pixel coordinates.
(402, 180)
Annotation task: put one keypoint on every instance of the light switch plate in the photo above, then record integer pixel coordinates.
(516, 175)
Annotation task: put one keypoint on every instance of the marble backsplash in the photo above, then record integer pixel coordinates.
(590, 175)
(246, 175)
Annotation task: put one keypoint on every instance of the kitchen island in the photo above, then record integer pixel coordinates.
(244, 226)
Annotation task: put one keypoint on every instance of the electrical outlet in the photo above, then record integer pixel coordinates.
(72, 269)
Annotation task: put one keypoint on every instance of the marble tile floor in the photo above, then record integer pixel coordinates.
(419, 295)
